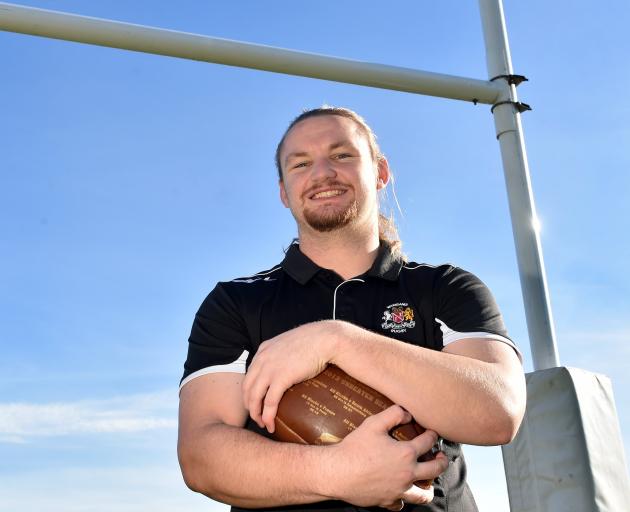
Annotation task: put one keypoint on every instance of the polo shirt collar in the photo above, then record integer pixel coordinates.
(387, 264)
(298, 265)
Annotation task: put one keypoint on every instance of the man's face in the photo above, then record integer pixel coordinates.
(329, 177)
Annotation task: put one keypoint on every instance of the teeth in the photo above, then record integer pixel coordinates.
(328, 193)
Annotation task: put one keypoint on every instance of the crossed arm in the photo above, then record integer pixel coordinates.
(473, 393)
(224, 461)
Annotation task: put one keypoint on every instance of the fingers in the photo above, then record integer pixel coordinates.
(418, 495)
(254, 391)
(270, 406)
(388, 419)
(254, 404)
(261, 398)
(432, 468)
(424, 442)
(428, 470)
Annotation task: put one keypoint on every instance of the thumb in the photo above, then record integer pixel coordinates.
(389, 418)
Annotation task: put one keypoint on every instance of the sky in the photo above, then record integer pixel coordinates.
(131, 183)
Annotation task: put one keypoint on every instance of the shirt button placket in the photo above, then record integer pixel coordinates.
(344, 294)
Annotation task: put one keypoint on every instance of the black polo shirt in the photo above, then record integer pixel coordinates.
(425, 305)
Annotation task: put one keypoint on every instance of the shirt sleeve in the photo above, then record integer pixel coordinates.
(218, 339)
(465, 308)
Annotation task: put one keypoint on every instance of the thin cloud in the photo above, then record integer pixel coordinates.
(20, 422)
(89, 488)
(614, 336)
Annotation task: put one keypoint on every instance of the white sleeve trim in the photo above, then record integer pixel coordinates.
(237, 366)
(449, 336)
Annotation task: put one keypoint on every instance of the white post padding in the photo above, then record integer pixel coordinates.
(568, 455)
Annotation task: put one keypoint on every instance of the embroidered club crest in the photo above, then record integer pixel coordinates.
(398, 318)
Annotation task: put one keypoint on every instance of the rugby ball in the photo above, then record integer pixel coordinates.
(325, 409)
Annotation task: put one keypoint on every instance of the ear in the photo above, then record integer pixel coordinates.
(283, 194)
(383, 173)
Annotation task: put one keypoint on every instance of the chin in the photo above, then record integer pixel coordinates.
(331, 221)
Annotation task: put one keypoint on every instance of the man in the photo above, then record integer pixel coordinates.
(429, 338)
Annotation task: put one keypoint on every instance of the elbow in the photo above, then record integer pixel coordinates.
(189, 471)
(508, 409)
(504, 430)
(500, 414)
(499, 427)
(507, 418)
(191, 480)
(195, 477)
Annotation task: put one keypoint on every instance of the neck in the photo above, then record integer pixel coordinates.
(347, 253)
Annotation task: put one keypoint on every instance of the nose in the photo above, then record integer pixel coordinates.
(322, 169)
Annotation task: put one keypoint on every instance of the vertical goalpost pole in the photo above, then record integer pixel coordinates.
(525, 226)
(560, 459)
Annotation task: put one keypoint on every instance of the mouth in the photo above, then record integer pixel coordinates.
(327, 194)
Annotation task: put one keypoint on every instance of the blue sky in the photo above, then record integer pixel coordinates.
(131, 183)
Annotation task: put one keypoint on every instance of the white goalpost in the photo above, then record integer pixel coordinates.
(561, 458)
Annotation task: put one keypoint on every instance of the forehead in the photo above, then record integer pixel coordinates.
(323, 130)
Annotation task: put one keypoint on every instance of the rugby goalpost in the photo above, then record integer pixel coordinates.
(568, 454)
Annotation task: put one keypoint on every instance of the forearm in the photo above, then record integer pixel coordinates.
(241, 468)
(463, 399)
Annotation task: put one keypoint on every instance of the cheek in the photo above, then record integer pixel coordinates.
(291, 193)
(369, 184)
(283, 198)
(284, 192)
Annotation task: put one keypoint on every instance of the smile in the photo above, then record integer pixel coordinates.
(327, 193)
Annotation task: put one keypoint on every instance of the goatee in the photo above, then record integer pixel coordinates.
(329, 221)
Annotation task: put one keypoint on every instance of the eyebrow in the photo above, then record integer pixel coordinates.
(334, 145)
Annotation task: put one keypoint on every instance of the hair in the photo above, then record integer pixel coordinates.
(387, 231)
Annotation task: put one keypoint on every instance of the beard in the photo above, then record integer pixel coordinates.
(327, 221)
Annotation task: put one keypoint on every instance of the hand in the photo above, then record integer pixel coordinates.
(291, 357)
(373, 469)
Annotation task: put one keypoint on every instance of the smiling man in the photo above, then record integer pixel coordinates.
(430, 338)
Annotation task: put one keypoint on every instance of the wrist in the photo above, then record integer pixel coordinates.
(340, 334)
(326, 478)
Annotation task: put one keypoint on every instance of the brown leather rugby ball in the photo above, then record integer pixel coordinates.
(325, 409)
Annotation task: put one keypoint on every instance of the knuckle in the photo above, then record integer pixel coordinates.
(269, 414)
(271, 401)
(368, 421)
(426, 441)
(408, 477)
(408, 452)
(253, 406)
(397, 409)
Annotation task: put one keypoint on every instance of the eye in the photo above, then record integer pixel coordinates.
(299, 164)
(341, 156)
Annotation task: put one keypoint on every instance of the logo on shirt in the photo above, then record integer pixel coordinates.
(398, 318)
